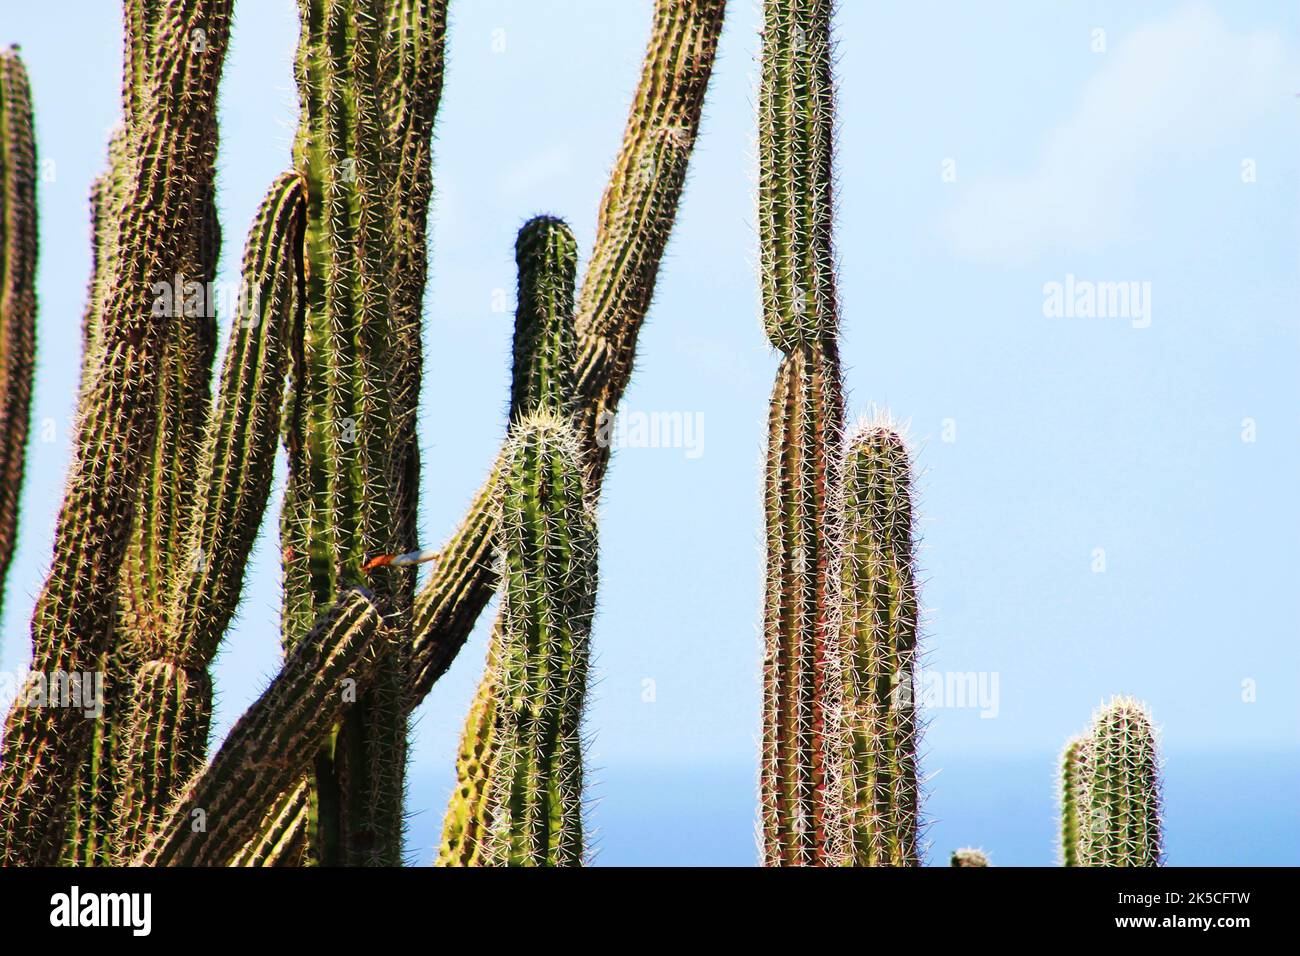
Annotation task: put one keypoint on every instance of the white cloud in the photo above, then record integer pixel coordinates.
(1177, 84)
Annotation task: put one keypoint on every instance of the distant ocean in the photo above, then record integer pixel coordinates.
(1221, 809)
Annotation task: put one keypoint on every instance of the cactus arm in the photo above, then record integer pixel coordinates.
(18, 252)
(172, 698)
(273, 743)
(878, 634)
(281, 839)
(1124, 825)
(73, 620)
(636, 218)
(1075, 769)
(548, 543)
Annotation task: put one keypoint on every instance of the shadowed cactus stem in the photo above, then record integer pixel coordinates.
(222, 807)
(72, 626)
(968, 856)
(878, 636)
(542, 381)
(18, 249)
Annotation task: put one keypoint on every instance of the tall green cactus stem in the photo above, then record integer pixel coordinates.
(1123, 826)
(73, 621)
(548, 544)
(165, 727)
(799, 784)
(545, 345)
(369, 78)
(878, 633)
(636, 218)
(273, 743)
(18, 248)
(1076, 762)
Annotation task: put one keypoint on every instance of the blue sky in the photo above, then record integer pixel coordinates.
(1107, 504)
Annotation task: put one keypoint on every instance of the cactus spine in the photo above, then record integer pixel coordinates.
(548, 544)
(878, 632)
(1123, 825)
(800, 803)
(18, 248)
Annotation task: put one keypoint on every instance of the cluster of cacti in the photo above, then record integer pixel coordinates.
(839, 762)
(169, 485)
(1110, 791)
(171, 479)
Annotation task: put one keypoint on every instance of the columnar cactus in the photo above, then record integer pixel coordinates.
(1122, 826)
(878, 633)
(635, 221)
(73, 624)
(542, 381)
(221, 808)
(548, 547)
(18, 247)
(799, 783)
(1076, 761)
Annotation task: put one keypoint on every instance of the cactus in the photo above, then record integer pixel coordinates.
(223, 805)
(18, 247)
(548, 544)
(1075, 769)
(542, 381)
(878, 623)
(801, 812)
(969, 856)
(1122, 826)
(636, 217)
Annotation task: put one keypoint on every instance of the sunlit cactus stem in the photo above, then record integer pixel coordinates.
(801, 804)
(1123, 825)
(548, 545)
(878, 637)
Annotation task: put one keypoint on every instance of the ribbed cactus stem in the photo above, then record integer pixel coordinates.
(969, 856)
(545, 343)
(1076, 761)
(467, 822)
(18, 250)
(548, 544)
(636, 217)
(221, 808)
(878, 635)
(1123, 826)
(799, 785)
(162, 746)
(72, 625)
